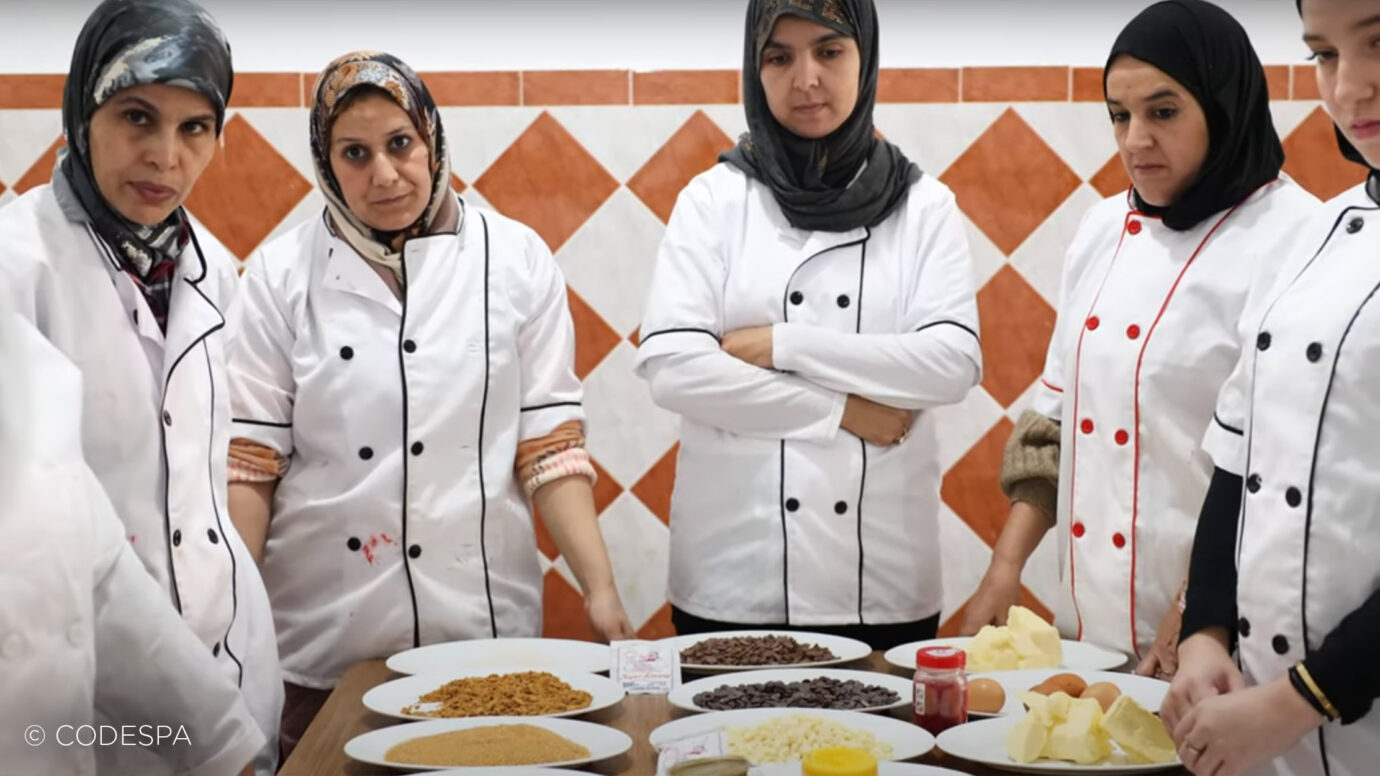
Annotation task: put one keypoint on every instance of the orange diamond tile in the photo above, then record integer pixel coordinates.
(606, 489)
(594, 338)
(694, 148)
(457, 184)
(1034, 181)
(1311, 156)
(41, 171)
(246, 190)
(2, 188)
(654, 489)
(1016, 326)
(1112, 178)
(563, 610)
(636, 337)
(548, 181)
(658, 626)
(972, 487)
(950, 626)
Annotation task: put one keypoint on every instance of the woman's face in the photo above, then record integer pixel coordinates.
(1161, 132)
(810, 74)
(1344, 36)
(148, 146)
(381, 162)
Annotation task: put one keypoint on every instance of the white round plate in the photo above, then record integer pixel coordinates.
(389, 698)
(1078, 655)
(1148, 692)
(531, 654)
(883, 769)
(907, 740)
(683, 697)
(845, 650)
(515, 770)
(984, 742)
(602, 741)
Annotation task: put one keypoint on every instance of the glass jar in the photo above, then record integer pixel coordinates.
(941, 688)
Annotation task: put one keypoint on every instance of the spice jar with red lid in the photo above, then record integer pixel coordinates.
(941, 688)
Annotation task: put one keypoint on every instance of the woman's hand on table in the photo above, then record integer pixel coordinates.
(1228, 734)
(606, 616)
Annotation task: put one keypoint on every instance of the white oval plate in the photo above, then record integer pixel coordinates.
(907, 741)
(1078, 655)
(602, 741)
(883, 769)
(389, 698)
(1148, 692)
(683, 697)
(514, 770)
(531, 654)
(984, 742)
(845, 650)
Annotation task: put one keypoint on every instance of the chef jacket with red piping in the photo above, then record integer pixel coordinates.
(777, 515)
(1305, 417)
(1149, 329)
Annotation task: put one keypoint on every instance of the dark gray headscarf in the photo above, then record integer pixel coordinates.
(816, 182)
(133, 43)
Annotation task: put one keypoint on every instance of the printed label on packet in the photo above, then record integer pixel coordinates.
(646, 667)
(692, 748)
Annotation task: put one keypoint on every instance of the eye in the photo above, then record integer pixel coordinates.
(1164, 114)
(833, 52)
(399, 143)
(355, 153)
(1322, 56)
(138, 117)
(1120, 116)
(195, 128)
(776, 59)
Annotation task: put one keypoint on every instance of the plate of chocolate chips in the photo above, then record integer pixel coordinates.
(725, 651)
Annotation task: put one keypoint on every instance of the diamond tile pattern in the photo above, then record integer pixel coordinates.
(1008, 177)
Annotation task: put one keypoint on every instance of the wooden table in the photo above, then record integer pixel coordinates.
(321, 751)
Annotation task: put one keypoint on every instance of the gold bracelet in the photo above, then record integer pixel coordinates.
(1317, 692)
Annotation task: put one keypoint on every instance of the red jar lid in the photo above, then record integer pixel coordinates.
(940, 658)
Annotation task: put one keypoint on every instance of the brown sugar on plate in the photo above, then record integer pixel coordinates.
(491, 745)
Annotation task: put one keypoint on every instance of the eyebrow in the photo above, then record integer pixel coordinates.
(402, 130)
(826, 38)
(1366, 22)
(150, 108)
(1159, 95)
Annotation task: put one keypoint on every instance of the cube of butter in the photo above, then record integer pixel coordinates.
(992, 649)
(1080, 738)
(1035, 641)
(1026, 741)
(1139, 733)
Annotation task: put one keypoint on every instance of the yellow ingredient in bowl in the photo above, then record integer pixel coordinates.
(490, 745)
(839, 761)
(526, 694)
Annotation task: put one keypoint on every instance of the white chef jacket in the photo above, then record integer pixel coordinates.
(81, 623)
(777, 515)
(1304, 395)
(1149, 329)
(400, 521)
(157, 430)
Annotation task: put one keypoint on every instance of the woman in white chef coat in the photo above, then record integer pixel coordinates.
(1284, 569)
(812, 298)
(83, 623)
(403, 382)
(1154, 287)
(108, 266)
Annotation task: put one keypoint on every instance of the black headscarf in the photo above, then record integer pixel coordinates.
(816, 182)
(1203, 48)
(133, 43)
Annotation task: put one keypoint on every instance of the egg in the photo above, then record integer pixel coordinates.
(1105, 693)
(1072, 684)
(986, 696)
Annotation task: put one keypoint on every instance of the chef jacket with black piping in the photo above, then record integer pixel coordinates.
(400, 521)
(1150, 322)
(778, 515)
(1299, 422)
(157, 430)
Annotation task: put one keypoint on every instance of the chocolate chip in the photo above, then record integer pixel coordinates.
(754, 651)
(820, 693)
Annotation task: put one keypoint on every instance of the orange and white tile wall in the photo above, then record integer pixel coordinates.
(593, 161)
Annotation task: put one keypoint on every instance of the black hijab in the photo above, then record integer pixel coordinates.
(1203, 48)
(816, 182)
(133, 43)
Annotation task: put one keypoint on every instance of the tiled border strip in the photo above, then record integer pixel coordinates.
(674, 87)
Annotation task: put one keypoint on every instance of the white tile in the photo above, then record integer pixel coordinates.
(609, 260)
(1023, 402)
(478, 136)
(639, 549)
(1288, 115)
(24, 136)
(622, 137)
(959, 426)
(288, 131)
(966, 557)
(309, 208)
(7, 197)
(934, 136)
(985, 256)
(626, 432)
(1080, 132)
(1040, 259)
